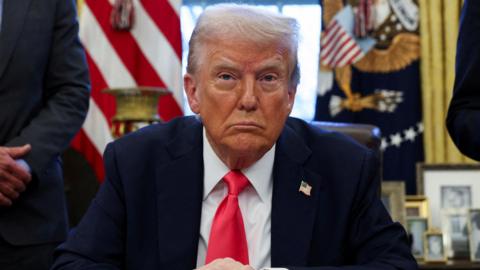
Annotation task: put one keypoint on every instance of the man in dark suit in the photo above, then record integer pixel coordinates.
(43, 101)
(241, 185)
(463, 119)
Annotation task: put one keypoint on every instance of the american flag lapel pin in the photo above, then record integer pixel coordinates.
(305, 188)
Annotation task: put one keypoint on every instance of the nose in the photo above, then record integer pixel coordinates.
(248, 96)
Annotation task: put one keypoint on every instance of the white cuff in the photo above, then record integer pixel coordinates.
(23, 164)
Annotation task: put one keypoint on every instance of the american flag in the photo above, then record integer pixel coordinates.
(149, 54)
(305, 188)
(338, 45)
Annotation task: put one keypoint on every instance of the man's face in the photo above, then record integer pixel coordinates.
(242, 93)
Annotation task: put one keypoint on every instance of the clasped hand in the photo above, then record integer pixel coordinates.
(225, 264)
(13, 177)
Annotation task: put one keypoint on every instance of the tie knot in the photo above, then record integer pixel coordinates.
(236, 182)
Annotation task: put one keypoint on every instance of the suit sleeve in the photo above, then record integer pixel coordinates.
(65, 93)
(374, 241)
(98, 242)
(463, 117)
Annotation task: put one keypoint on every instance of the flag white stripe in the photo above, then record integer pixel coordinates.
(176, 5)
(349, 45)
(331, 31)
(331, 35)
(358, 57)
(345, 60)
(154, 47)
(159, 52)
(103, 54)
(96, 127)
(332, 46)
(338, 46)
(338, 54)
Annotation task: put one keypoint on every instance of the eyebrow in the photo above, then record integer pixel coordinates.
(275, 63)
(226, 63)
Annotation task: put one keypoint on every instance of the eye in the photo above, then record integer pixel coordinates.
(225, 76)
(225, 80)
(269, 78)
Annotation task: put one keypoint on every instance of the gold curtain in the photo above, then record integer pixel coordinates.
(439, 21)
(79, 6)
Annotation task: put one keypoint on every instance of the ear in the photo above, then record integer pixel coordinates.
(190, 85)
(291, 98)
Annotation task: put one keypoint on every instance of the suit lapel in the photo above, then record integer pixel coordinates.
(14, 12)
(293, 212)
(180, 191)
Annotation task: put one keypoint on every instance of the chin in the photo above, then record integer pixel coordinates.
(248, 146)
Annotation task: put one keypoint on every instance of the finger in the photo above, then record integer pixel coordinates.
(17, 171)
(21, 174)
(8, 191)
(224, 264)
(17, 184)
(18, 151)
(4, 201)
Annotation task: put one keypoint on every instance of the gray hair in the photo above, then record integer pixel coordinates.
(247, 23)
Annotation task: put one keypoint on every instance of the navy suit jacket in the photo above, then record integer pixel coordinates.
(463, 119)
(147, 213)
(44, 92)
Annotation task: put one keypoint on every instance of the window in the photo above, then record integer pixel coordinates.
(308, 15)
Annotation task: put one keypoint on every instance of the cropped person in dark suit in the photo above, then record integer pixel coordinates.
(463, 119)
(44, 91)
(241, 185)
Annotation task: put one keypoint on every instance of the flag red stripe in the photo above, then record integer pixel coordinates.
(134, 60)
(137, 64)
(82, 144)
(166, 19)
(125, 46)
(343, 54)
(346, 46)
(331, 26)
(105, 102)
(331, 35)
(336, 48)
(334, 45)
(351, 59)
(340, 54)
(168, 108)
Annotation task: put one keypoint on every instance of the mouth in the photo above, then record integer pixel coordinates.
(246, 125)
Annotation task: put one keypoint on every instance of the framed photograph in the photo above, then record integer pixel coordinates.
(455, 232)
(393, 197)
(474, 234)
(448, 187)
(434, 248)
(416, 206)
(416, 228)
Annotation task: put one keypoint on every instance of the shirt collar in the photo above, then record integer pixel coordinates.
(259, 174)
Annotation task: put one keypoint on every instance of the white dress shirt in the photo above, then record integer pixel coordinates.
(255, 202)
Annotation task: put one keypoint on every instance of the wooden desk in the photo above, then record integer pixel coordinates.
(450, 265)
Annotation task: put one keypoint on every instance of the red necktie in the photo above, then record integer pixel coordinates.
(227, 235)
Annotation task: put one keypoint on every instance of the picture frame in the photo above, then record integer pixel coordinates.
(474, 234)
(416, 206)
(434, 248)
(416, 228)
(393, 197)
(448, 186)
(455, 232)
